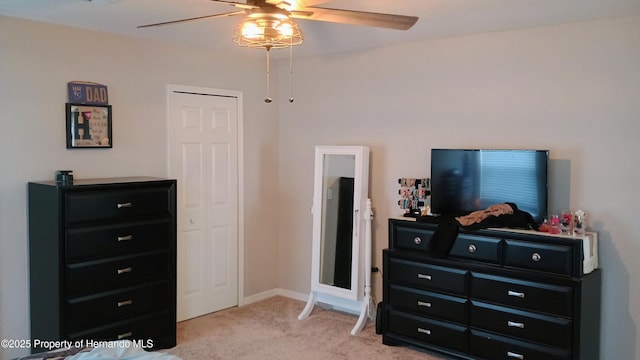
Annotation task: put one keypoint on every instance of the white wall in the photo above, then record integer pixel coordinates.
(36, 62)
(573, 89)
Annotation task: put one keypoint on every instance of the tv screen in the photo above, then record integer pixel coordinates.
(466, 180)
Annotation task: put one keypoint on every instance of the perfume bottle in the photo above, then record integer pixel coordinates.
(544, 227)
(566, 223)
(579, 223)
(554, 224)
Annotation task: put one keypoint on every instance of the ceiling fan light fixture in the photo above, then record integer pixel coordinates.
(251, 30)
(267, 32)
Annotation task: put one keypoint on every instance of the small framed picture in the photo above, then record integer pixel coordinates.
(89, 126)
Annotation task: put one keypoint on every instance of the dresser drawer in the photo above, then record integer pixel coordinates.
(90, 311)
(557, 259)
(404, 237)
(427, 276)
(114, 204)
(156, 327)
(550, 330)
(491, 346)
(120, 239)
(478, 248)
(435, 332)
(102, 275)
(528, 295)
(429, 303)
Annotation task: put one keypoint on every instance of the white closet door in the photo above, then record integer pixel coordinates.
(203, 132)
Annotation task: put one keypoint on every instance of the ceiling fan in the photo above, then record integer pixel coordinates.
(299, 10)
(269, 23)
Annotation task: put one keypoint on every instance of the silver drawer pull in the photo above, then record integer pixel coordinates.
(423, 276)
(424, 304)
(515, 355)
(424, 331)
(515, 293)
(515, 324)
(472, 248)
(124, 335)
(125, 238)
(125, 270)
(125, 303)
(124, 205)
(417, 240)
(536, 257)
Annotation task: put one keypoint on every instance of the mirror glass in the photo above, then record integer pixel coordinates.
(337, 220)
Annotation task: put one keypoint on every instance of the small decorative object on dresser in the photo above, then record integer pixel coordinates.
(102, 260)
(499, 294)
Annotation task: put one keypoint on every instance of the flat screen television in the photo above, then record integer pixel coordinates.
(466, 180)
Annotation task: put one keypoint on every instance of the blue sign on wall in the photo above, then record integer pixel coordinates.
(87, 93)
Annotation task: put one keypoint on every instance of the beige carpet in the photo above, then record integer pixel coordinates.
(270, 329)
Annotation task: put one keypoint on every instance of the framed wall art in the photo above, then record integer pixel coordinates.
(89, 126)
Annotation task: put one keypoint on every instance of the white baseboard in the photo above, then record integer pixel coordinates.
(271, 293)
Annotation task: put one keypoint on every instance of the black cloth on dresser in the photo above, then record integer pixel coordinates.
(443, 238)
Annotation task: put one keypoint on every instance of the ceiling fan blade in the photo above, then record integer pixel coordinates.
(389, 21)
(306, 3)
(194, 18)
(247, 5)
(280, 3)
(256, 4)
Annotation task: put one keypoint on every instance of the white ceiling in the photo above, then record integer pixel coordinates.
(437, 19)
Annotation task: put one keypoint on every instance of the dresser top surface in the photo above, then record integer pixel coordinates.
(101, 181)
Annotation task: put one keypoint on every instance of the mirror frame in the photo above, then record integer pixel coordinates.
(329, 294)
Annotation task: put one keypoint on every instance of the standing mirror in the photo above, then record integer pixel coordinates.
(341, 241)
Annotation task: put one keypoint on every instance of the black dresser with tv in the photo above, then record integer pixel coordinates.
(102, 260)
(499, 294)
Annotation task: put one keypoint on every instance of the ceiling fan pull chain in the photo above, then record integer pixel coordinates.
(268, 100)
(291, 71)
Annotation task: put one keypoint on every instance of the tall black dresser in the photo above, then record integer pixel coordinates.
(498, 295)
(102, 260)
